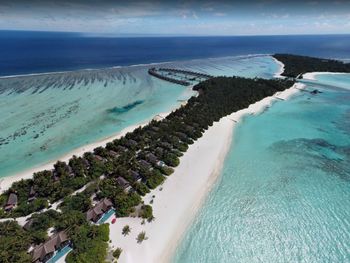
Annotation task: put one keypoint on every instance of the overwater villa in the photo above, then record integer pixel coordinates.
(11, 202)
(95, 213)
(46, 251)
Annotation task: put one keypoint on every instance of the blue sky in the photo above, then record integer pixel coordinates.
(107, 17)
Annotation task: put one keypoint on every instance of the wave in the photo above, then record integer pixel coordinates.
(135, 65)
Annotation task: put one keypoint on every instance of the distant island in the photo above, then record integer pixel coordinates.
(295, 66)
(72, 200)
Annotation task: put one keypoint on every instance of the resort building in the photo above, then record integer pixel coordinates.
(86, 164)
(123, 183)
(121, 149)
(145, 164)
(32, 194)
(45, 251)
(161, 163)
(131, 143)
(136, 176)
(11, 202)
(28, 224)
(95, 213)
(100, 158)
(181, 135)
(151, 158)
(113, 154)
(166, 145)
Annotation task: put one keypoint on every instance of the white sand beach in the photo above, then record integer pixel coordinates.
(281, 70)
(182, 194)
(312, 75)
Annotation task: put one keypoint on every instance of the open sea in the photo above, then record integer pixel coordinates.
(284, 192)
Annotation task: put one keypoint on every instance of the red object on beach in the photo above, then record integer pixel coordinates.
(113, 220)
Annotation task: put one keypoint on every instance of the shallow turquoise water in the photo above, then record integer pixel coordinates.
(284, 193)
(44, 117)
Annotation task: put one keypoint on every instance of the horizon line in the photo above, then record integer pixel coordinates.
(131, 35)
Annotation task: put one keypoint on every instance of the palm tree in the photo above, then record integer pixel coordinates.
(93, 232)
(150, 219)
(141, 237)
(126, 230)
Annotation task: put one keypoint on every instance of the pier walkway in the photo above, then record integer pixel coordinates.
(178, 76)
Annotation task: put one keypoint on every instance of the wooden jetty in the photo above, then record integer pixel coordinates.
(157, 72)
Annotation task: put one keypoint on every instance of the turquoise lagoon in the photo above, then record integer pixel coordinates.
(46, 116)
(284, 192)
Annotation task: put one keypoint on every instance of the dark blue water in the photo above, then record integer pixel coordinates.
(34, 52)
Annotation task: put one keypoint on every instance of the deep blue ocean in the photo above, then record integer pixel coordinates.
(38, 52)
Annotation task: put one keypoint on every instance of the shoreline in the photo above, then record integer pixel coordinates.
(174, 211)
(278, 74)
(6, 182)
(312, 75)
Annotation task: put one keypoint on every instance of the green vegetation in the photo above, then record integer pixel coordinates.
(90, 244)
(124, 204)
(117, 252)
(14, 243)
(80, 202)
(141, 237)
(141, 188)
(155, 179)
(126, 230)
(296, 65)
(146, 212)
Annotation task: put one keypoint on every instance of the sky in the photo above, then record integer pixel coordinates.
(196, 17)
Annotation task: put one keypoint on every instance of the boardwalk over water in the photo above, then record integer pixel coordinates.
(178, 76)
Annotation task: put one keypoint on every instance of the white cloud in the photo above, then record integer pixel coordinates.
(220, 14)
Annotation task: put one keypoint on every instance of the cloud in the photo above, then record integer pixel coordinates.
(220, 14)
(177, 17)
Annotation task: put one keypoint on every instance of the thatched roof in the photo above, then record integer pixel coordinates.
(135, 175)
(151, 158)
(12, 200)
(100, 208)
(122, 182)
(49, 246)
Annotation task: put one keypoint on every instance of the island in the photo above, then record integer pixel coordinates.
(65, 209)
(296, 66)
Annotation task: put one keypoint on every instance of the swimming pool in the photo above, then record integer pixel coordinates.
(58, 254)
(106, 216)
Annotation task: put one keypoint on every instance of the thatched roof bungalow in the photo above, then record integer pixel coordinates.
(11, 202)
(32, 194)
(45, 251)
(95, 213)
(123, 183)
